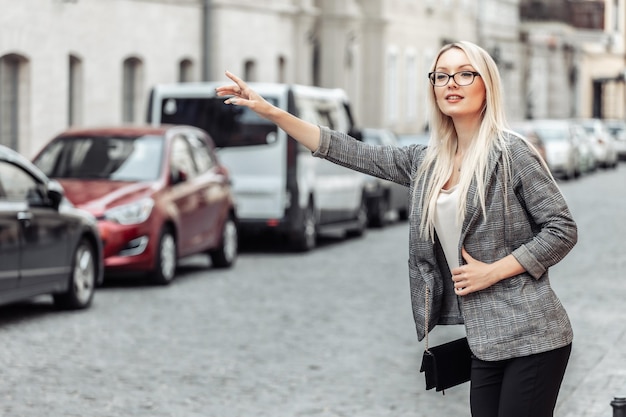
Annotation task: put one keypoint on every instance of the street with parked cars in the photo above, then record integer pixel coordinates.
(282, 334)
(134, 200)
(94, 231)
(158, 193)
(573, 147)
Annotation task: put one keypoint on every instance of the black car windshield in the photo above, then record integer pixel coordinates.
(113, 158)
(228, 125)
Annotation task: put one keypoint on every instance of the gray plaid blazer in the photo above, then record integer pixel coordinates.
(518, 316)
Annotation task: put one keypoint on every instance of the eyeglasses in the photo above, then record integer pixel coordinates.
(462, 78)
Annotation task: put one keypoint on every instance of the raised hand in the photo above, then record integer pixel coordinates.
(240, 94)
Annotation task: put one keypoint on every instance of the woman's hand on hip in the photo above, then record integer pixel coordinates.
(476, 275)
(473, 276)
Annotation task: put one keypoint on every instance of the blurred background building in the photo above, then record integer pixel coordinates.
(90, 62)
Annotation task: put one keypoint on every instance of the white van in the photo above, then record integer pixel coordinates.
(278, 184)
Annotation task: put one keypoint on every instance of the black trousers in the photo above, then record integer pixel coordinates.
(520, 387)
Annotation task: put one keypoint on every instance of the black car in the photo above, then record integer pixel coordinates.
(47, 246)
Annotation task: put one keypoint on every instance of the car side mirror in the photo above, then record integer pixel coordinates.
(55, 194)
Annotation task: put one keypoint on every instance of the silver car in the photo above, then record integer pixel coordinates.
(618, 130)
(603, 142)
(559, 139)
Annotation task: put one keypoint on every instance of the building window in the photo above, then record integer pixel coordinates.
(12, 93)
(249, 70)
(185, 71)
(282, 64)
(427, 62)
(411, 86)
(315, 64)
(131, 89)
(587, 15)
(75, 91)
(392, 86)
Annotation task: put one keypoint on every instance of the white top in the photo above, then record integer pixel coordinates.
(446, 225)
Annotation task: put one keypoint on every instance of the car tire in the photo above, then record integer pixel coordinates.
(82, 283)
(166, 258)
(361, 221)
(379, 217)
(226, 254)
(403, 213)
(305, 239)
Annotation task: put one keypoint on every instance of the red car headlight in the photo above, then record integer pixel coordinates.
(133, 213)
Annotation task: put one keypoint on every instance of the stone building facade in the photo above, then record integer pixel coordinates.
(575, 58)
(88, 62)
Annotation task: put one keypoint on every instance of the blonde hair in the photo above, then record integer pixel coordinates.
(439, 158)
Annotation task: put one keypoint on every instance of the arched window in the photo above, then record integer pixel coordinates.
(131, 89)
(249, 70)
(282, 64)
(14, 84)
(392, 85)
(411, 91)
(316, 66)
(75, 91)
(185, 71)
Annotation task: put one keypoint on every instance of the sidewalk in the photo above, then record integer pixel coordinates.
(593, 386)
(591, 283)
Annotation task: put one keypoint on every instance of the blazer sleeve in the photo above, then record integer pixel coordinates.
(556, 232)
(392, 163)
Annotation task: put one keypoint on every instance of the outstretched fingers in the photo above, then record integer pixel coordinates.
(237, 90)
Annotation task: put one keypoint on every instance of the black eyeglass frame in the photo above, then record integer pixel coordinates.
(452, 76)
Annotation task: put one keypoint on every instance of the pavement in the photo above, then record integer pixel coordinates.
(593, 290)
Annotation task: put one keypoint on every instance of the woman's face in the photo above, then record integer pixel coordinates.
(453, 99)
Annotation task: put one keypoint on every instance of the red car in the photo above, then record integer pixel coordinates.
(159, 194)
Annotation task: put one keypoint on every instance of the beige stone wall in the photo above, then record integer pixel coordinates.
(102, 34)
(379, 51)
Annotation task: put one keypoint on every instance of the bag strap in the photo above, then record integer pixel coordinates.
(426, 318)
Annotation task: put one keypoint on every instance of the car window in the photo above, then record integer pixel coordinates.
(227, 125)
(116, 158)
(182, 160)
(201, 154)
(17, 184)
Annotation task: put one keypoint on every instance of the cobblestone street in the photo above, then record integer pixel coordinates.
(328, 333)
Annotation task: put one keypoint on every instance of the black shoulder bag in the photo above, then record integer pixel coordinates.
(446, 365)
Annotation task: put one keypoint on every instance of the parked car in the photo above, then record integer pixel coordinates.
(587, 161)
(559, 139)
(280, 187)
(159, 193)
(384, 196)
(47, 246)
(525, 129)
(603, 142)
(618, 130)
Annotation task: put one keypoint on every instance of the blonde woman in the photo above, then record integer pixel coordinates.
(487, 221)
